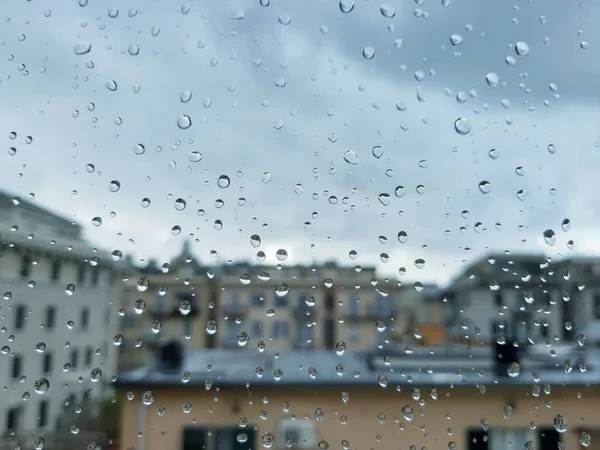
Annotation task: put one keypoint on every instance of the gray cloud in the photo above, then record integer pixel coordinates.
(334, 100)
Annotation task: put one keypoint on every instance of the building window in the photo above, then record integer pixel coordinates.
(187, 326)
(13, 419)
(43, 414)
(20, 317)
(50, 317)
(89, 352)
(74, 358)
(354, 335)
(16, 369)
(230, 337)
(596, 311)
(281, 301)
(497, 298)
(95, 276)
(353, 306)
(257, 300)
(55, 270)
(26, 265)
(303, 337)
(47, 361)
(81, 273)
(85, 318)
(257, 329)
(280, 330)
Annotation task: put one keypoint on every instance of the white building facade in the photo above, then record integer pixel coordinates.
(57, 318)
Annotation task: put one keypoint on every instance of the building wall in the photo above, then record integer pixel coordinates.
(31, 296)
(374, 417)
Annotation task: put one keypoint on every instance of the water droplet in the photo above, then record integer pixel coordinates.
(281, 254)
(147, 398)
(180, 204)
(520, 171)
(299, 189)
(559, 423)
(185, 96)
(284, 19)
(408, 413)
(82, 48)
(551, 149)
(419, 263)
(40, 347)
(549, 237)
(456, 39)
(111, 85)
(513, 370)
(117, 255)
(146, 202)
(133, 50)
(95, 375)
(346, 6)
(340, 347)
(114, 186)
(368, 52)
(211, 327)
(384, 199)
(266, 177)
(485, 187)
(492, 79)
(255, 240)
(377, 151)
(41, 385)
(585, 439)
(351, 157)
(566, 225)
(399, 191)
(184, 122)
(113, 13)
(194, 157)
(494, 154)
(38, 443)
(223, 182)
(70, 289)
(462, 126)
(402, 237)
(522, 48)
(387, 11)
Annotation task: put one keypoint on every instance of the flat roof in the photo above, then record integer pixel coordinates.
(304, 368)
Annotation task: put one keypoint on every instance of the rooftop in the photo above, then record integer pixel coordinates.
(419, 367)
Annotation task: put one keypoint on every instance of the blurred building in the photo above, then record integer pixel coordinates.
(274, 307)
(58, 318)
(455, 398)
(526, 297)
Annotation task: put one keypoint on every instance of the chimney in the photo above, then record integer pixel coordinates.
(504, 355)
(170, 356)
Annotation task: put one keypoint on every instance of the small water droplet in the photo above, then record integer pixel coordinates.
(485, 187)
(549, 237)
(82, 48)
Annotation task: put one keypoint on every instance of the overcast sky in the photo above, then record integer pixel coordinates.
(297, 93)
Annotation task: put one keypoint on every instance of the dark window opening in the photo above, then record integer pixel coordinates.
(47, 363)
(26, 262)
(20, 315)
(548, 439)
(55, 270)
(50, 317)
(81, 273)
(88, 356)
(477, 440)
(13, 418)
(17, 367)
(85, 318)
(43, 414)
(329, 302)
(74, 358)
(497, 298)
(95, 276)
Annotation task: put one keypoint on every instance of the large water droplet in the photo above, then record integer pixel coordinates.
(492, 79)
(223, 181)
(485, 187)
(549, 237)
(462, 126)
(346, 6)
(82, 48)
(368, 52)
(184, 121)
(41, 385)
(114, 186)
(351, 157)
(522, 48)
